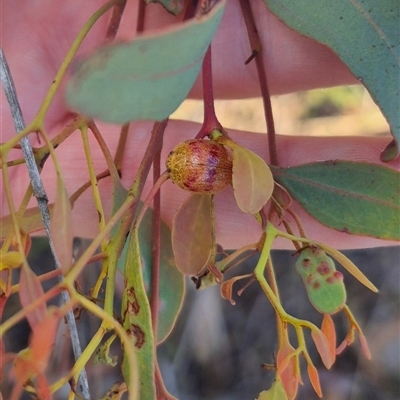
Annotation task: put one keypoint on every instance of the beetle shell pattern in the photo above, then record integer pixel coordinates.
(200, 166)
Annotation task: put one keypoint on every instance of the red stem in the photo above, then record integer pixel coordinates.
(113, 26)
(210, 119)
(140, 16)
(155, 143)
(256, 48)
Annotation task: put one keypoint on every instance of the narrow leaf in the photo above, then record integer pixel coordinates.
(314, 379)
(349, 266)
(352, 197)
(192, 238)
(286, 363)
(146, 78)
(322, 345)
(328, 329)
(61, 226)
(136, 320)
(30, 289)
(364, 35)
(43, 338)
(347, 341)
(364, 345)
(171, 282)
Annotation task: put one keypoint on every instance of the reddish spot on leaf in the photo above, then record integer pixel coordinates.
(323, 268)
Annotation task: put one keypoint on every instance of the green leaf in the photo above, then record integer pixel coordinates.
(173, 6)
(172, 283)
(357, 198)
(136, 320)
(192, 234)
(146, 78)
(324, 285)
(365, 35)
(275, 392)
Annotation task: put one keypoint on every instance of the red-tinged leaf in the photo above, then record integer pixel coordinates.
(61, 227)
(287, 369)
(2, 356)
(23, 366)
(227, 287)
(348, 340)
(192, 234)
(275, 392)
(364, 346)
(43, 388)
(32, 362)
(26, 241)
(322, 345)
(314, 379)
(328, 329)
(42, 340)
(3, 300)
(30, 289)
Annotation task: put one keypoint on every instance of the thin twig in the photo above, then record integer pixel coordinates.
(155, 260)
(41, 197)
(115, 21)
(256, 53)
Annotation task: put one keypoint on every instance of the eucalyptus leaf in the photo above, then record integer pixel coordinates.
(252, 180)
(324, 285)
(352, 197)
(172, 6)
(192, 237)
(365, 35)
(146, 78)
(171, 281)
(136, 320)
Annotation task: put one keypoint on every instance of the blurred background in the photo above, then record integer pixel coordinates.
(216, 350)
